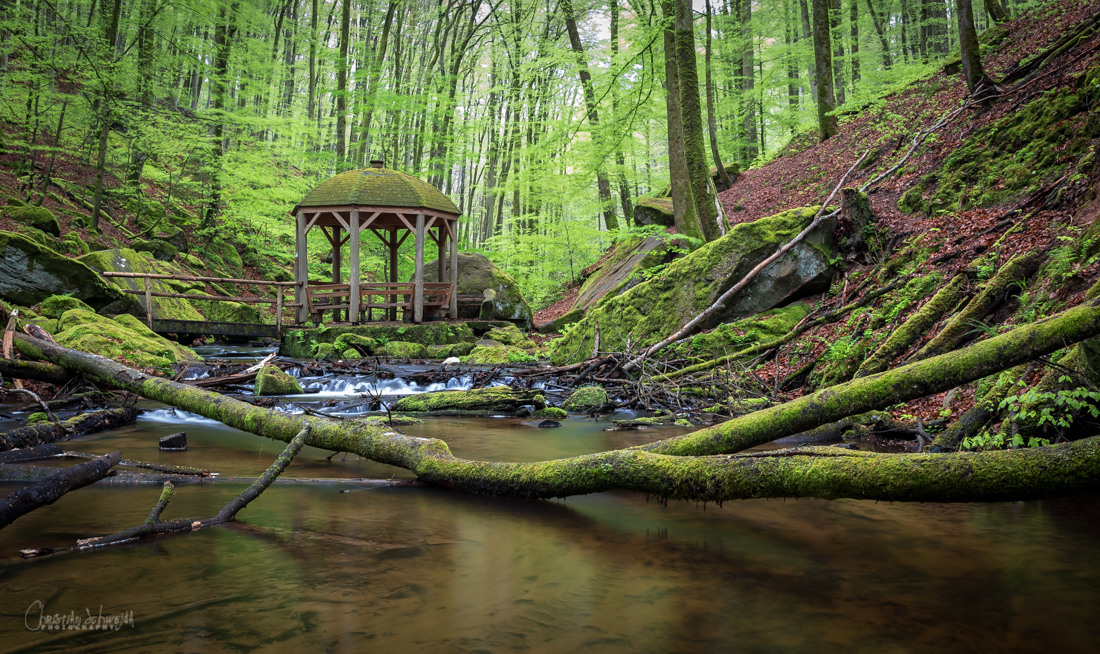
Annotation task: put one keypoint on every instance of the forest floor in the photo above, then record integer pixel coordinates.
(804, 172)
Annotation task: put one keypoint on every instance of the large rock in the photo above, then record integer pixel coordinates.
(127, 260)
(30, 273)
(656, 308)
(654, 211)
(273, 381)
(34, 216)
(476, 274)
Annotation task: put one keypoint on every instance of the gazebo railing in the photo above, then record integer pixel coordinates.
(385, 296)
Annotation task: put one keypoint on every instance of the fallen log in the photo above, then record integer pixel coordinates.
(49, 490)
(85, 423)
(665, 468)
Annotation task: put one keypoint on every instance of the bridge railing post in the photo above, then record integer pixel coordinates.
(149, 302)
(278, 311)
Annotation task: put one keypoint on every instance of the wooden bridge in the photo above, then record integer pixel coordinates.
(207, 327)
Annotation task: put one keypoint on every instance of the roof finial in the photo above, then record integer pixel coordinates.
(375, 163)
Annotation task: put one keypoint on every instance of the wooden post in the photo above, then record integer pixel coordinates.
(301, 270)
(278, 312)
(149, 302)
(453, 278)
(418, 282)
(441, 256)
(336, 265)
(353, 273)
(393, 270)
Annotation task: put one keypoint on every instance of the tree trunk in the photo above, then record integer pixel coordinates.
(36, 370)
(969, 48)
(673, 468)
(342, 85)
(823, 60)
(683, 205)
(703, 192)
(49, 490)
(886, 62)
(998, 11)
(807, 32)
(748, 83)
(110, 34)
(602, 184)
(724, 181)
(853, 18)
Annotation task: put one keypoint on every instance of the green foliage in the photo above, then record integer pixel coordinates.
(1054, 408)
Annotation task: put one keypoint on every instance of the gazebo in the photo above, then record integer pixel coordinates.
(391, 205)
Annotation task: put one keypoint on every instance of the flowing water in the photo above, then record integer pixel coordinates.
(311, 568)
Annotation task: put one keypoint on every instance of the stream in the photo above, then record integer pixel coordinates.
(342, 566)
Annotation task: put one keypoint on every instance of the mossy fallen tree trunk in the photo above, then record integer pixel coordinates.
(912, 329)
(34, 370)
(479, 400)
(662, 469)
(85, 423)
(1018, 267)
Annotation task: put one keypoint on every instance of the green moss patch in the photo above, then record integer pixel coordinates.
(55, 305)
(36, 217)
(302, 343)
(126, 340)
(586, 399)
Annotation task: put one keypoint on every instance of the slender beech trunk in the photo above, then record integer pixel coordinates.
(823, 58)
(968, 46)
(748, 83)
(620, 158)
(110, 35)
(342, 85)
(807, 33)
(724, 181)
(853, 19)
(602, 183)
(879, 29)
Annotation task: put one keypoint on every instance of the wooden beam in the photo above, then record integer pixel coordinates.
(393, 245)
(301, 271)
(337, 264)
(353, 274)
(440, 257)
(418, 288)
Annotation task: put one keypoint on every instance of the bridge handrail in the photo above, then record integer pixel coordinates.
(192, 278)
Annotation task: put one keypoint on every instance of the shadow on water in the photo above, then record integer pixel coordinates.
(311, 568)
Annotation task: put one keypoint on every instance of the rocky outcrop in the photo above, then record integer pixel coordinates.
(476, 274)
(36, 217)
(273, 381)
(123, 338)
(657, 307)
(30, 273)
(654, 211)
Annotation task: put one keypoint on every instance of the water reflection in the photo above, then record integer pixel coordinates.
(311, 568)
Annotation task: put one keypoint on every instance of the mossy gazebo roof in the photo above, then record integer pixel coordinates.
(392, 205)
(377, 187)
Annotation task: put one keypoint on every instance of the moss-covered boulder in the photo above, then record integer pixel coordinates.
(509, 335)
(30, 273)
(403, 350)
(357, 342)
(461, 349)
(493, 399)
(127, 260)
(325, 351)
(273, 381)
(476, 274)
(653, 211)
(657, 307)
(124, 339)
(587, 399)
(55, 305)
(74, 244)
(161, 250)
(550, 413)
(36, 217)
(561, 323)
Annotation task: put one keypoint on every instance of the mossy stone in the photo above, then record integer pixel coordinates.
(302, 343)
(225, 310)
(482, 354)
(273, 381)
(362, 344)
(37, 417)
(509, 335)
(161, 250)
(324, 351)
(493, 398)
(461, 349)
(586, 399)
(36, 217)
(551, 413)
(194, 262)
(404, 350)
(30, 273)
(55, 305)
